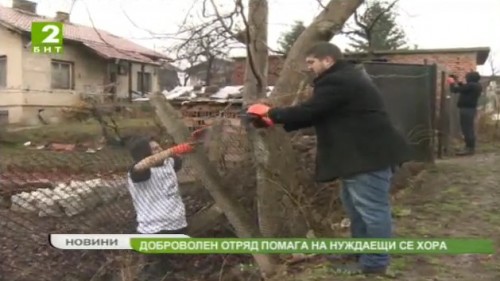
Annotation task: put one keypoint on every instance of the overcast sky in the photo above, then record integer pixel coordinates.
(428, 23)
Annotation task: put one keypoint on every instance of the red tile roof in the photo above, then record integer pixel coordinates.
(103, 43)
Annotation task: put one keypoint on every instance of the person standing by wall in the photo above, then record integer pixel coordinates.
(356, 142)
(469, 94)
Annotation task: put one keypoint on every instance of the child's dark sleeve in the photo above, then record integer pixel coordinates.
(177, 163)
(139, 176)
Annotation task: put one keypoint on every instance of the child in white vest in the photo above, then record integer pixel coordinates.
(153, 186)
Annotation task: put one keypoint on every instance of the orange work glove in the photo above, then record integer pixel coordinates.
(182, 148)
(258, 109)
(258, 113)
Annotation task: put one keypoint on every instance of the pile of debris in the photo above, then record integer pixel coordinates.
(65, 147)
(200, 93)
(68, 199)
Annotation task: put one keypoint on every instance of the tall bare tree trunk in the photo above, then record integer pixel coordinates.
(276, 209)
(256, 88)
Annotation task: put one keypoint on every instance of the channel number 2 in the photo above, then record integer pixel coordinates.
(52, 37)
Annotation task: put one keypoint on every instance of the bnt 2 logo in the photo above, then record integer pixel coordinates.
(47, 37)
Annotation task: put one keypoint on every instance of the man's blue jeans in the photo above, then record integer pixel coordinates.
(366, 199)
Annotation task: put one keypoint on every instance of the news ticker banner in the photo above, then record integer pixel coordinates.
(182, 244)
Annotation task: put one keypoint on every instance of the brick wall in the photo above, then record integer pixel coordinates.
(274, 69)
(200, 114)
(458, 63)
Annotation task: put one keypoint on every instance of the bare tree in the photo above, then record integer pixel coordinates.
(205, 42)
(201, 51)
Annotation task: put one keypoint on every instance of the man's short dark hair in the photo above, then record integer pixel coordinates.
(323, 50)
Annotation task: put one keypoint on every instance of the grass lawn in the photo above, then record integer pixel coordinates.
(83, 135)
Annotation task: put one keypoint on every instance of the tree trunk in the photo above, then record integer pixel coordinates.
(256, 87)
(329, 22)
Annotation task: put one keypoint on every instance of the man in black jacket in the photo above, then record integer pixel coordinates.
(356, 143)
(469, 94)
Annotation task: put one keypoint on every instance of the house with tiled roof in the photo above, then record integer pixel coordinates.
(216, 71)
(93, 62)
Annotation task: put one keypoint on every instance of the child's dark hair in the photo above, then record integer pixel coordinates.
(139, 149)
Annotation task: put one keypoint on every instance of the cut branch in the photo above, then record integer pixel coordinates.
(210, 178)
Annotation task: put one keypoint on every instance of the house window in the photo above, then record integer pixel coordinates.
(3, 71)
(148, 83)
(62, 75)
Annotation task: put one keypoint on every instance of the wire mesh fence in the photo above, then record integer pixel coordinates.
(45, 191)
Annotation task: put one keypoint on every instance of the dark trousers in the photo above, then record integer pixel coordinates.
(467, 121)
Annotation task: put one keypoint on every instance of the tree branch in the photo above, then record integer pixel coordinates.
(321, 4)
(250, 54)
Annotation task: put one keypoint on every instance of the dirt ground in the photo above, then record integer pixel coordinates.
(457, 197)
